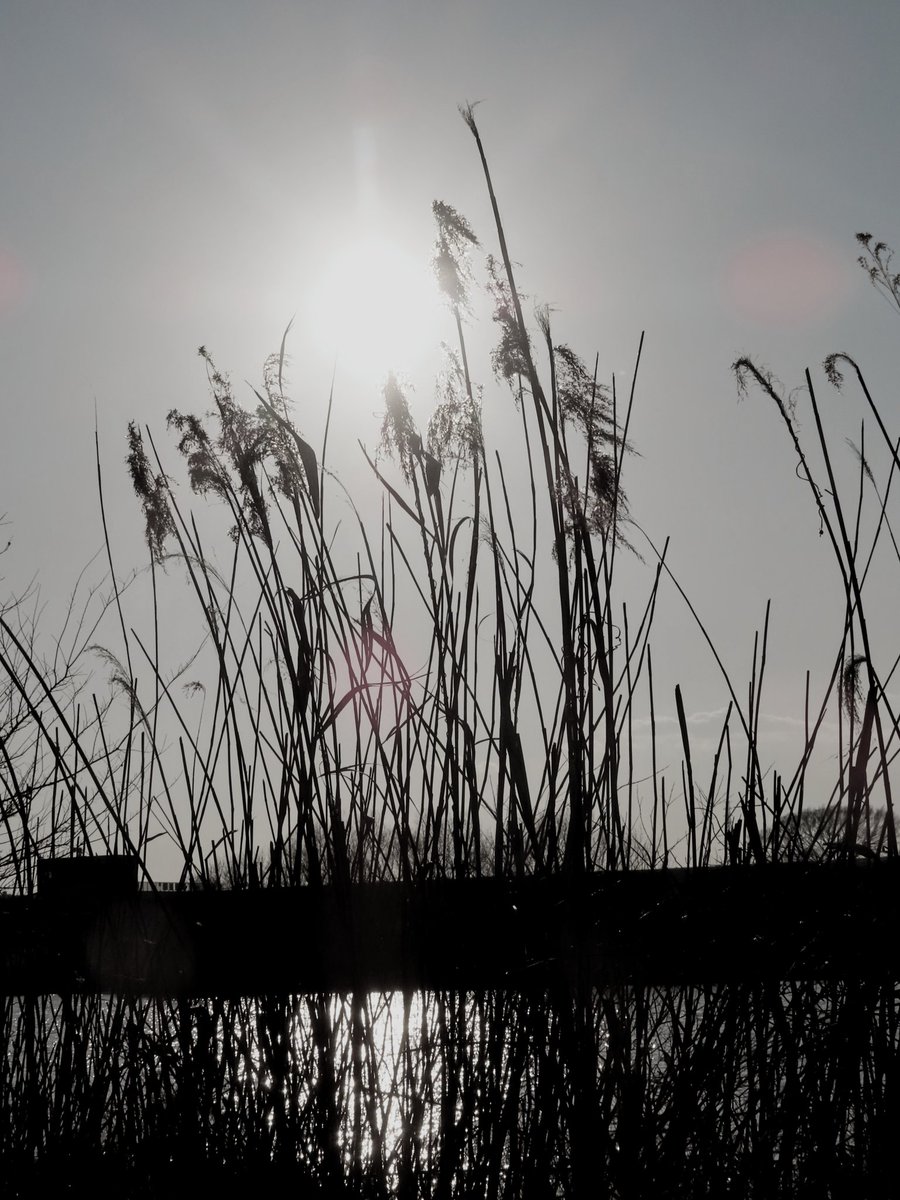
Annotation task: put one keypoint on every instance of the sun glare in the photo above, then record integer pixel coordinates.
(375, 308)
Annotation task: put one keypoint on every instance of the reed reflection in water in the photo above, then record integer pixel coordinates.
(759, 1090)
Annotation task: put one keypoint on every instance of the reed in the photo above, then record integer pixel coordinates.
(306, 742)
(736, 1091)
(451, 690)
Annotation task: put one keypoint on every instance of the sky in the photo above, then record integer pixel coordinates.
(201, 173)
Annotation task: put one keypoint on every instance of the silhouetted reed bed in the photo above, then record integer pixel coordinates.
(776, 1090)
(449, 688)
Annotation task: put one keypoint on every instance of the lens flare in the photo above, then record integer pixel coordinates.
(788, 279)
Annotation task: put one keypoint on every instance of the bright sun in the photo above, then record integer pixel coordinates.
(375, 308)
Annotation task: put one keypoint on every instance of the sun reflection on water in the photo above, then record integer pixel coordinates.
(422, 1092)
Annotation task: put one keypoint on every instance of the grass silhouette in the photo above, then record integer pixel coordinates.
(372, 707)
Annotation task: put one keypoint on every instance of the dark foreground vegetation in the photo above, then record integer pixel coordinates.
(449, 693)
(750, 1090)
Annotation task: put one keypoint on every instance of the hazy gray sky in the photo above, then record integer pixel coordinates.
(184, 173)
